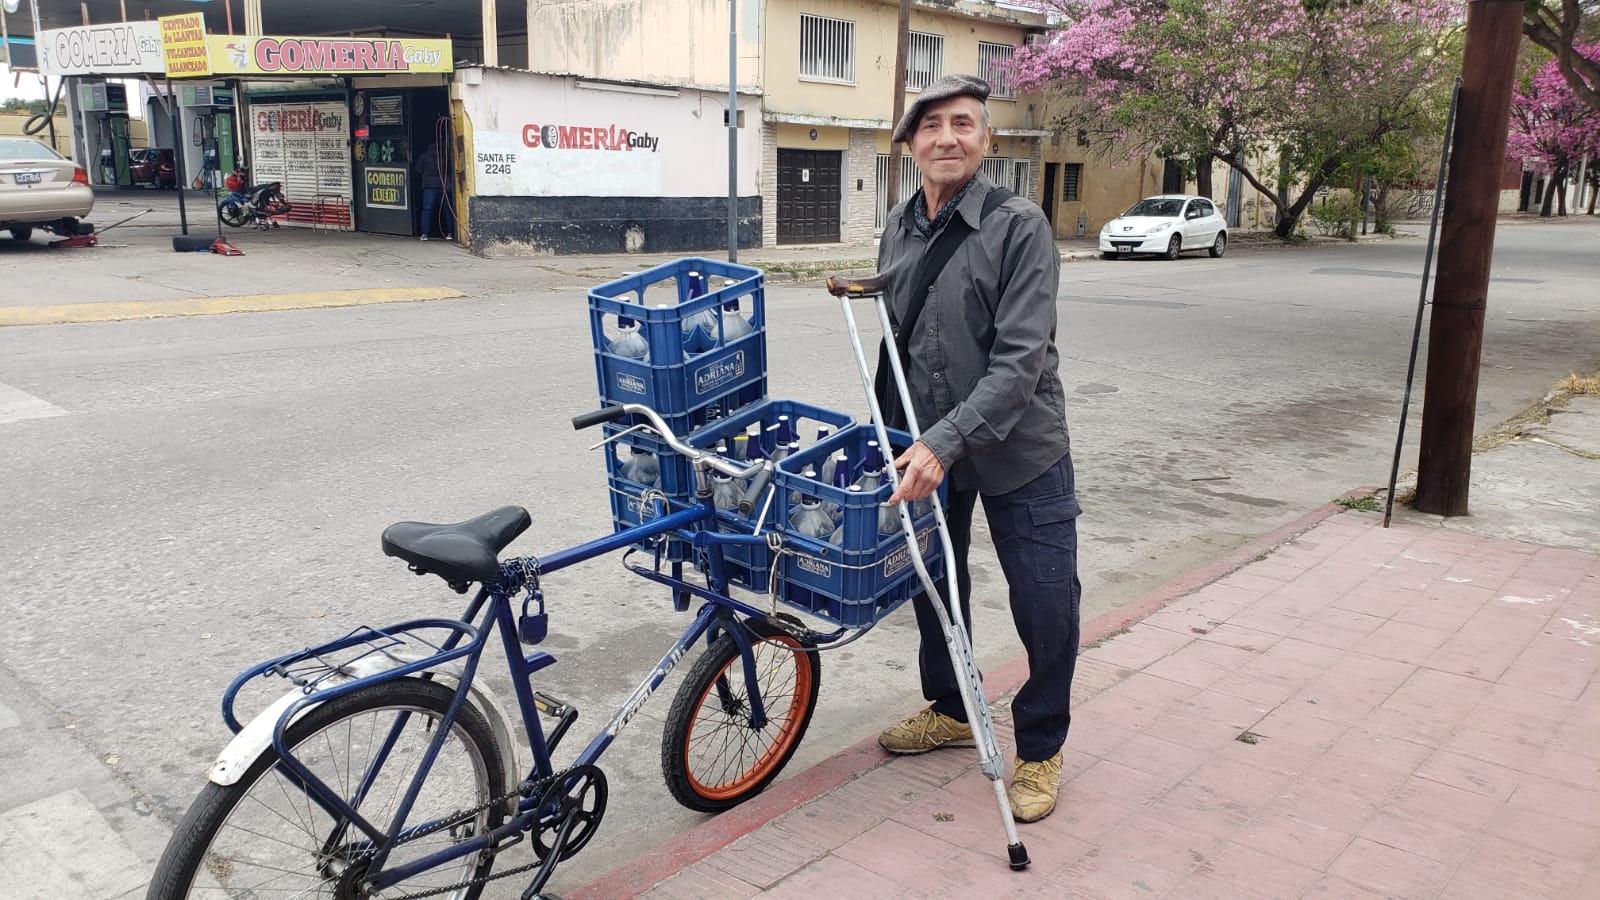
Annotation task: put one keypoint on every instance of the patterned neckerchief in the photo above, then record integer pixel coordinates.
(919, 210)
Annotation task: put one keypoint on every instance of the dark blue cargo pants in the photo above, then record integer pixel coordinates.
(1035, 535)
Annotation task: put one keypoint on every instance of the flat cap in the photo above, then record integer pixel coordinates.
(943, 89)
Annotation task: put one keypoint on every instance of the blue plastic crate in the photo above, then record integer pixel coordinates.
(675, 479)
(750, 567)
(865, 574)
(684, 372)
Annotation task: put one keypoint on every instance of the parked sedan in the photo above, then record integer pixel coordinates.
(1166, 225)
(41, 189)
(154, 166)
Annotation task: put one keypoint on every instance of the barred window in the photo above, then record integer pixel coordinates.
(924, 60)
(997, 169)
(1071, 174)
(910, 182)
(827, 49)
(994, 66)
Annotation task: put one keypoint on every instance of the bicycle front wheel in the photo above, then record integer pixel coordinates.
(712, 755)
(264, 837)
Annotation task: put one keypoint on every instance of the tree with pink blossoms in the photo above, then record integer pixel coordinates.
(1318, 86)
(1559, 26)
(1552, 127)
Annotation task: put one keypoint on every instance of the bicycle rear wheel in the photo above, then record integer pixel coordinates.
(263, 836)
(711, 755)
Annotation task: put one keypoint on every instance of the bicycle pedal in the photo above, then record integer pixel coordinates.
(550, 706)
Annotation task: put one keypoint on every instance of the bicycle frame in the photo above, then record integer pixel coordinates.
(491, 606)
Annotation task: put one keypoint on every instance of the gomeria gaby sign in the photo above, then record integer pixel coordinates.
(131, 48)
(323, 56)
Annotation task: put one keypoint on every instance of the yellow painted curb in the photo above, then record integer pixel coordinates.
(210, 306)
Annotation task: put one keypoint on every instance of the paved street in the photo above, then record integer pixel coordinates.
(183, 496)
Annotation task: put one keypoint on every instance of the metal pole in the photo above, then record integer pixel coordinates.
(902, 46)
(733, 131)
(1422, 300)
(1466, 247)
(176, 112)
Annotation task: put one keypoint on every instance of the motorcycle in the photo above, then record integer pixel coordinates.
(253, 205)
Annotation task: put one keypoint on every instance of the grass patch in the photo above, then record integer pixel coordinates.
(1580, 384)
(1113, 635)
(1369, 503)
(817, 269)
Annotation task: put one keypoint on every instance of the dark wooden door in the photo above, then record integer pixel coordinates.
(808, 196)
(1049, 196)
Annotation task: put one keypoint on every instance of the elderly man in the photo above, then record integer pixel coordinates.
(977, 337)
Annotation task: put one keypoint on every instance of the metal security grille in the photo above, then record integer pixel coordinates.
(1071, 174)
(910, 182)
(827, 49)
(924, 60)
(998, 170)
(994, 66)
(1022, 177)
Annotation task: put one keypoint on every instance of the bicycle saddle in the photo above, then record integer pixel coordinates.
(465, 551)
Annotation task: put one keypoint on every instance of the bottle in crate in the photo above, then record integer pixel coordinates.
(734, 324)
(641, 466)
(725, 492)
(629, 342)
(811, 520)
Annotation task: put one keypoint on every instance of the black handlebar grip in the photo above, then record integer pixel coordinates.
(606, 414)
(758, 486)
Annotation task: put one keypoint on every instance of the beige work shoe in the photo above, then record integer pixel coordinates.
(927, 730)
(1033, 789)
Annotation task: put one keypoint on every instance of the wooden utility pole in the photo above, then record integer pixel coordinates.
(902, 46)
(1466, 245)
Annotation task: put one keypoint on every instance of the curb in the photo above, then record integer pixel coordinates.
(676, 854)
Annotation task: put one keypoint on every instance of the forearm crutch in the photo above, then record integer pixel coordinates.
(950, 620)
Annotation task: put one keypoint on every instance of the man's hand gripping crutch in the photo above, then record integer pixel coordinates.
(955, 630)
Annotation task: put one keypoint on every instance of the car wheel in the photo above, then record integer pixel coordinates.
(1175, 246)
(1220, 245)
(21, 232)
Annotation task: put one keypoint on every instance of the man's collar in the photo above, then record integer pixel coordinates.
(970, 208)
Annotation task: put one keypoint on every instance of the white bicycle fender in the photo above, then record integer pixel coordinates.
(256, 737)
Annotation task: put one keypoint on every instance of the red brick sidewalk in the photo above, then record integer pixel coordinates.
(1365, 712)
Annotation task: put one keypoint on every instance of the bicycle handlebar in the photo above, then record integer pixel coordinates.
(760, 471)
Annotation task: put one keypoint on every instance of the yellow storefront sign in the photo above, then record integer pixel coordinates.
(276, 55)
(183, 46)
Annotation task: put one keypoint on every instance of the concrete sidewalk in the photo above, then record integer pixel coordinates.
(1338, 710)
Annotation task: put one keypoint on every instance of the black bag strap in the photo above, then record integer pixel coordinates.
(933, 262)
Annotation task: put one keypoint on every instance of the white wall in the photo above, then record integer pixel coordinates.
(616, 142)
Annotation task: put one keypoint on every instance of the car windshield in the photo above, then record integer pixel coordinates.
(22, 148)
(1156, 206)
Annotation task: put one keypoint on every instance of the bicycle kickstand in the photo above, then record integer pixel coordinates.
(950, 620)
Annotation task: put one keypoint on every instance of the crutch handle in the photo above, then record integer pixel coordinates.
(847, 286)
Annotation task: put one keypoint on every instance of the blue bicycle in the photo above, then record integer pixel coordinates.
(388, 769)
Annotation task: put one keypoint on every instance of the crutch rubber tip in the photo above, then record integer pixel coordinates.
(1019, 856)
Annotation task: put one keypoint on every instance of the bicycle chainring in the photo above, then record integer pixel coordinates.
(579, 796)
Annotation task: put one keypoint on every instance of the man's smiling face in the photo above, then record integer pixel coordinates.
(949, 141)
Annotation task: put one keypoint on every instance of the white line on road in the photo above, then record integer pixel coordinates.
(16, 405)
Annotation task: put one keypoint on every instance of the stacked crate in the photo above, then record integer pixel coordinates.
(710, 390)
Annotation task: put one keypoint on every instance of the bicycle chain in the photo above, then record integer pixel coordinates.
(525, 789)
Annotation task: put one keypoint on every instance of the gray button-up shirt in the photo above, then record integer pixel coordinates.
(983, 376)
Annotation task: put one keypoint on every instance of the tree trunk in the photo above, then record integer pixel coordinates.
(1202, 175)
(1549, 197)
(1380, 208)
(1561, 191)
(1593, 196)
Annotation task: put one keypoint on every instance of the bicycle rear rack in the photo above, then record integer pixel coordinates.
(365, 653)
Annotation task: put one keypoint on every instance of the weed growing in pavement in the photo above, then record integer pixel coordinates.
(1115, 634)
(1369, 503)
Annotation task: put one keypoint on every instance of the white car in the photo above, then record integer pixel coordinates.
(1166, 225)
